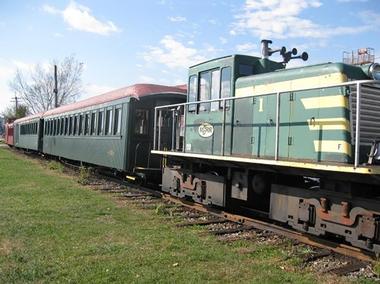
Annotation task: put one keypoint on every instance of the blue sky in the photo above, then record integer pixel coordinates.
(154, 41)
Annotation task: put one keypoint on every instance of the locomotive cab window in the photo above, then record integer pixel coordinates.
(141, 123)
(204, 90)
(225, 90)
(209, 89)
(245, 70)
(193, 92)
(215, 89)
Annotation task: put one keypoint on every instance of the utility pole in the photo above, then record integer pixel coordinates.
(55, 87)
(16, 99)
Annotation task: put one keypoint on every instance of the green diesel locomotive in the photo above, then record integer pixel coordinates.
(299, 146)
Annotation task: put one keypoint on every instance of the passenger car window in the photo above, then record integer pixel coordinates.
(100, 123)
(86, 124)
(58, 122)
(93, 123)
(141, 124)
(75, 125)
(66, 126)
(71, 125)
(51, 127)
(108, 122)
(117, 122)
(80, 124)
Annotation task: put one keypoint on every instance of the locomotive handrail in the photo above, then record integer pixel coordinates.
(357, 83)
(263, 94)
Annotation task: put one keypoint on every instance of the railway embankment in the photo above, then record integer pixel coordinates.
(52, 229)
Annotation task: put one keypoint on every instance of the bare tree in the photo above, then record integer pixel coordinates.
(37, 89)
(11, 113)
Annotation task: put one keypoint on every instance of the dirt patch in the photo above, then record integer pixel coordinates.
(8, 246)
(106, 219)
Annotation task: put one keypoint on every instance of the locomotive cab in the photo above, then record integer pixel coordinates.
(209, 83)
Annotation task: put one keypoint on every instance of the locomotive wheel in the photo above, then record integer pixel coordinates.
(260, 184)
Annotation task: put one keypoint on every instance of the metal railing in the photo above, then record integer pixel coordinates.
(223, 101)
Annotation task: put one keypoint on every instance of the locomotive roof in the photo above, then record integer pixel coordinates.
(352, 72)
(225, 57)
(136, 91)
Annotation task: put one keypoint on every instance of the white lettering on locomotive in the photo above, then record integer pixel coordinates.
(206, 130)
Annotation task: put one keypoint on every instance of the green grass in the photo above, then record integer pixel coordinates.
(54, 230)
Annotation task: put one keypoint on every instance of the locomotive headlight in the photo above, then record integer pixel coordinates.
(374, 71)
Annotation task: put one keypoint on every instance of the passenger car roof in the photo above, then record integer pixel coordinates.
(29, 117)
(137, 91)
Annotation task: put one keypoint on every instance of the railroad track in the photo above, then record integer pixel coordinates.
(247, 223)
(232, 227)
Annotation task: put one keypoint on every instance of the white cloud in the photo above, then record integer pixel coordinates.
(246, 47)
(213, 22)
(281, 19)
(177, 19)
(7, 72)
(58, 35)
(79, 17)
(347, 1)
(50, 9)
(370, 18)
(296, 63)
(173, 54)
(223, 40)
(147, 79)
(21, 65)
(91, 90)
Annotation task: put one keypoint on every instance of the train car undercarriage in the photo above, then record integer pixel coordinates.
(318, 206)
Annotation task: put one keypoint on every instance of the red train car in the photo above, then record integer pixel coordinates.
(9, 134)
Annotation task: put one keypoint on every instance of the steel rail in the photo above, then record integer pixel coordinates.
(339, 248)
